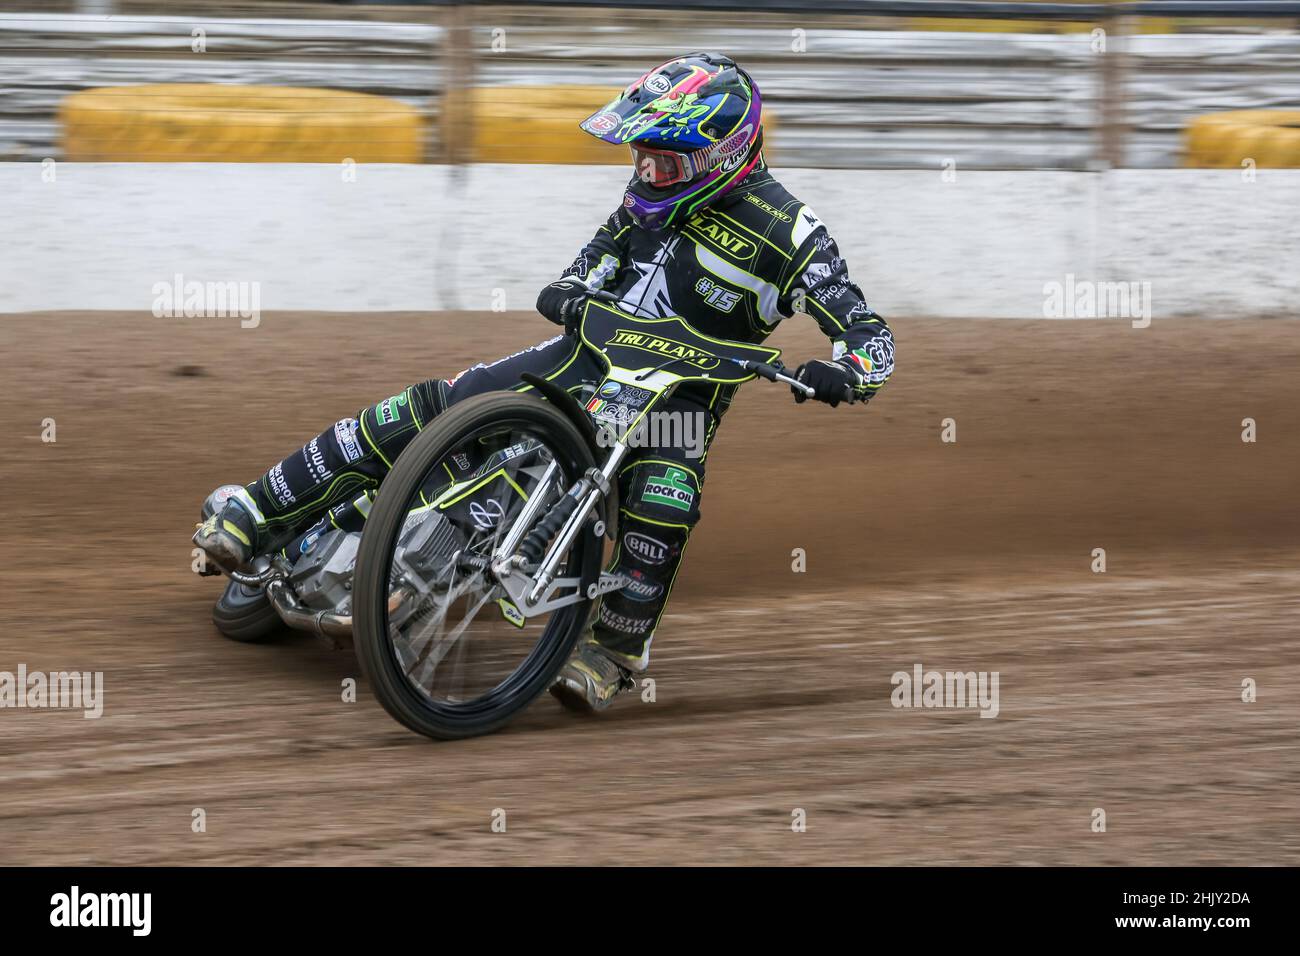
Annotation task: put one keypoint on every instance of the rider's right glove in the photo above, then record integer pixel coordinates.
(561, 302)
(833, 382)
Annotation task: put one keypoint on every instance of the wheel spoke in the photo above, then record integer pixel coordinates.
(441, 658)
(444, 612)
(436, 650)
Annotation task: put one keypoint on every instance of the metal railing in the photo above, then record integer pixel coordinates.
(847, 88)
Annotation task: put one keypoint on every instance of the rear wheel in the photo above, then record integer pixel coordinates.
(242, 613)
(245, 614)
(445, 650)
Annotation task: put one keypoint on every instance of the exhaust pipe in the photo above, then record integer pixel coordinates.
(336, 628)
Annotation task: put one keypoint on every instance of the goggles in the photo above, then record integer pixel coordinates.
(667, 167)
(662, 167)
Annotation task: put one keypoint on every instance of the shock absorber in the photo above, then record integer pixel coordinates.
(537, 540)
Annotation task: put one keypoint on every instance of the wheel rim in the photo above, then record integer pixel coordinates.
(444, 630)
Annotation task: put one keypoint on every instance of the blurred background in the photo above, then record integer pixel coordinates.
(1112, 526)
(936, 121)
(850, 83)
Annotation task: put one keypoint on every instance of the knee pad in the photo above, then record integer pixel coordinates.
(650, 556)
(660, 502)
(662, 492)
(389, 426)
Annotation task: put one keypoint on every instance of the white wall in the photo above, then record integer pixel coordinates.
(426, 237)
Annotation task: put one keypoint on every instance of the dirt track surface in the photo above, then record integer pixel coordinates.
(1119, 691)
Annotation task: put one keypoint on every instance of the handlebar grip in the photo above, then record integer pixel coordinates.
(774, 373)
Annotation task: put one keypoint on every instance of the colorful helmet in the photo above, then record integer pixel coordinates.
(694, 125)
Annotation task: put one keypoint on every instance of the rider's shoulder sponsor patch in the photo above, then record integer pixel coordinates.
(805, 224)
(768, 208)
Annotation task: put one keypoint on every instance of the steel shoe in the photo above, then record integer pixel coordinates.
(591, 680)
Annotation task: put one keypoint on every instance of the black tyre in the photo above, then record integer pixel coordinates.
(407, 646)
(245, 614)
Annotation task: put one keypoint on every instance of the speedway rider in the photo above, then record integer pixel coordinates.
(704, 231)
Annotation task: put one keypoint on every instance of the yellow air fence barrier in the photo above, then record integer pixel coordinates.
(206, 123)
(1271, 138)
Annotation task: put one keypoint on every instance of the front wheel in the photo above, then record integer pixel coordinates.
(444, 649)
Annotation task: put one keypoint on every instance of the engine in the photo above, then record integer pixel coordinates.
(322, 578)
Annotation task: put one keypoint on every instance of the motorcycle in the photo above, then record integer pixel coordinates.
(482, 553)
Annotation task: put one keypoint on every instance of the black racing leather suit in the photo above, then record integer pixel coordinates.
(733, 271)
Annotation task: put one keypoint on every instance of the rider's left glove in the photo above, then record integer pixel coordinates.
(561, 302)
(833, 382)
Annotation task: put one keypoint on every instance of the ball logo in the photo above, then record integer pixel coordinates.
(648, 549)
(610, 389)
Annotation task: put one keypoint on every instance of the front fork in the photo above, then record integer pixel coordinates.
(573, 511)
(587, 492)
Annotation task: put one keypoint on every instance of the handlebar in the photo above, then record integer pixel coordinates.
(776, 373)
(773, 373)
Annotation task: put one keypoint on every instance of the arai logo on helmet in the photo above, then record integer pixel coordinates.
(732, 151)
(603, 123)
(731, 162)
(658, 84)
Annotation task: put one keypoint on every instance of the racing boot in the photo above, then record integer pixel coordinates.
(228, 536)
(593, 677)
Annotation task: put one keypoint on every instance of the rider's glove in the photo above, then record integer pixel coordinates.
(834, 382)
(561, 302)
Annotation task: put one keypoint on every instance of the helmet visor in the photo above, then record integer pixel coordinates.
(660, 167)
